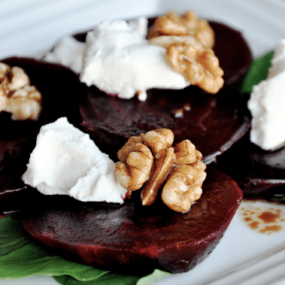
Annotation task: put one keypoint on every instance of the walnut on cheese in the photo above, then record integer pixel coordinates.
(188, 24)
(153, 165)
(188, 42)
(199, 66)
(16, 94)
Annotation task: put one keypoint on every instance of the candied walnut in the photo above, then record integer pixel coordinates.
(189, 24)
(199, 66)
(158, 139)
(183, 187)
(159, 171)
(16, 94)
(129, 146)
(133, 173)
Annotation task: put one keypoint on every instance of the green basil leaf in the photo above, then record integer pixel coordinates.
(116, 279)
(258, 71)
(107, 279)
(154, 277)
(12, 236)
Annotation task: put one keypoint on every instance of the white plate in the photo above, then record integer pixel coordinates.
(31, 27)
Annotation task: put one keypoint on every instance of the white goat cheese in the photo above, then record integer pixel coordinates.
(66, 161)
(119, 60)
(267, 104)
(68, 52)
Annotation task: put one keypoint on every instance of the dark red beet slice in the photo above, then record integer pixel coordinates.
(233, 53)
(256, 171)
(213, 123)
(60, 88)
(230, 47)
(133, 238)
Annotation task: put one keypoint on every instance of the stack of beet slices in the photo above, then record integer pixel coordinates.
(130, 237)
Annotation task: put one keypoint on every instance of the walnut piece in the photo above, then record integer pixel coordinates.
(186, 153)
(199, 66)
(167, 41)
(148, 159)
(189, 43)
(159, 171)
(16, 94)
(4, 69)
(188, 24)
(183, 187)
(158, 139)
(183, 184)
(129, 146)
(133, 173)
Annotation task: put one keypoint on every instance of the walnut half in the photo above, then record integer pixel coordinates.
(16, 95)
(137, 156)
(134, 172)
(188, 42)
(181, 188)
(184, 183)
(199, 66)
(146, 161)
(188, 24)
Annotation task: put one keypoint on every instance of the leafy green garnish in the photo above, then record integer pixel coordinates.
(258, 71)
(115, 279)
(20, 257)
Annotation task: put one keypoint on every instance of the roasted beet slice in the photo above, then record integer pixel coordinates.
(233, 53)
(60, 88)
(212, 122)
(133, 238)
(230, 47)
(256, 171)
